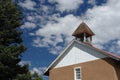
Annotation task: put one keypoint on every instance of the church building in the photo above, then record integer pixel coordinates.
(80, 60)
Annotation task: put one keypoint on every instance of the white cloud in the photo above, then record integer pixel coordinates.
(118, 42)
(42, 1)
(56, 50)
(28, 4)
(24, 62)
(66, 25)
(53, 32)
(30, 18)
(28, 25)
(39, 70)
(40, 42)
(45, 8)
(67, 5)
(114, 46)
(105, 22)
(92, 2)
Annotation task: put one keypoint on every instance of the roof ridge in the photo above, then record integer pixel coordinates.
(112, 55)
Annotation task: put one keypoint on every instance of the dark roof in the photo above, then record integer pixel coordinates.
(83, 28)
(112, 55)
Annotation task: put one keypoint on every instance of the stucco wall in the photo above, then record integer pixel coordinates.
(102, 69)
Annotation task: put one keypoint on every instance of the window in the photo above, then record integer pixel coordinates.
(77, 73)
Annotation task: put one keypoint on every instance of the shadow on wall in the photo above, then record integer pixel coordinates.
(116, 66)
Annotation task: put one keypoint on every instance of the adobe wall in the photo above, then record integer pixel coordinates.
(102, 69)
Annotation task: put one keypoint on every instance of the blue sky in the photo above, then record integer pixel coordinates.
(49, 24)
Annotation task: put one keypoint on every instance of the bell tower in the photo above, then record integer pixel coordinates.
(83, 33)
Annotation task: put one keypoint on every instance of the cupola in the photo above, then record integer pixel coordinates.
(83, 33)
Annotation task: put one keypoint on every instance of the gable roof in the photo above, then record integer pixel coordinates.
(83, 28)
(55, 62)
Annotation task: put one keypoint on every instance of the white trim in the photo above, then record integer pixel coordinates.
(75, 73)
(59, 57)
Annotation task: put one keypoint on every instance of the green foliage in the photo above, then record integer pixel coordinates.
(35, 76)
(10, 16)
(26, 76)
(10, 20)
(11, 46)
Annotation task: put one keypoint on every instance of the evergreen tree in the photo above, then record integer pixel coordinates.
(36, 76)
(11, 46)
(29, 76)
(25, 76)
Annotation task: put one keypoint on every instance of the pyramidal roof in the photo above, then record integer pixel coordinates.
(83, 28)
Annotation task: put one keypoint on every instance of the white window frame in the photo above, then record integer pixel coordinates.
(75, 73)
